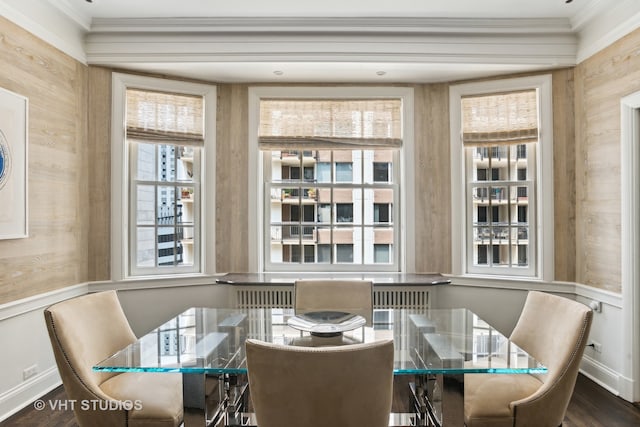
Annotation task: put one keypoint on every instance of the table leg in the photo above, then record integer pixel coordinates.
(194, 399)
(445, 397)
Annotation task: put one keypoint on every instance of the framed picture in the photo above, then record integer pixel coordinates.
(13, 165)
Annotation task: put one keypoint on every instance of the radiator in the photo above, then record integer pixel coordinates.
(264, 297)
(282, 297)
(401, 297)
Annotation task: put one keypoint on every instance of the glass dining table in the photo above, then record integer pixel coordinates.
(436, 347)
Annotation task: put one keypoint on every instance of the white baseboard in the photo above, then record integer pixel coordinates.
(601, 375)
(26, 393)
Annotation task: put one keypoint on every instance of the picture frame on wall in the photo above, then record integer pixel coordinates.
(13, 165)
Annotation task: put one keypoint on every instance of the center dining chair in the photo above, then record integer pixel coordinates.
(554, 330)
(84, 331)
(349, 296)
(338, 386)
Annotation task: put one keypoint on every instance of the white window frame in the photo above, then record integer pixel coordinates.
(543, 268)
(404, 178)
(121, 234)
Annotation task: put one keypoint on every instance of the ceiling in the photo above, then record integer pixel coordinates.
(332, 40)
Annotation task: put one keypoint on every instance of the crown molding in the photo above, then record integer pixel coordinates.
(588, 14)
(606, 24)
(542, 42)
(49, 24)
(415, 40)
(324, 25)
(72, 12)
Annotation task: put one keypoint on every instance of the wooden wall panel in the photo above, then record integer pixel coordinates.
(55, 253)
(601, 81)
(433, 179)
(99, 140)
(232, 154)
(564, 175)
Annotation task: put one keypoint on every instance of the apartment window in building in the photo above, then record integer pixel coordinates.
(349, 151)
(499, 145)
(161, 175)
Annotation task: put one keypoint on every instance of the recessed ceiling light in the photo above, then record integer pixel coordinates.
(381, 73)
(278, 72)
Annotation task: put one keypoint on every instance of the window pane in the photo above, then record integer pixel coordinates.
(522, 255)
(294, 173)
(481, 175)
(496, 255)
(185, 163)
(344, 253)
(166, 163)
(482, 254)
(323, 172)
(309, 254)
(324, 213)
(145, 207)
(146, 170)
(308, 173)
(482, 214)
(522, 214)
(145, 247)
(381, 253)
(381, 172)
(324, 253)
(294, 253)
(167, 209)
(170, 250)
(344, 212)
(344, 172)
(381, 212)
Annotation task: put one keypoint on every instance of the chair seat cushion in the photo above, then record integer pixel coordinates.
(158, 397)
(487, 397)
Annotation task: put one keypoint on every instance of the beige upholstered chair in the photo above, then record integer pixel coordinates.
(350, 296)
(88, 329)
(341, 386)
(554, 330)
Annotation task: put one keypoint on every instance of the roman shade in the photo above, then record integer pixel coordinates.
(163, 117)
(500, 119)
(331, 124)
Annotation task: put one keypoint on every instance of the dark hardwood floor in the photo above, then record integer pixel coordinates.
(591, 406)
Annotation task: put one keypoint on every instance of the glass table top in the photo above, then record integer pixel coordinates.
(211, 340)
